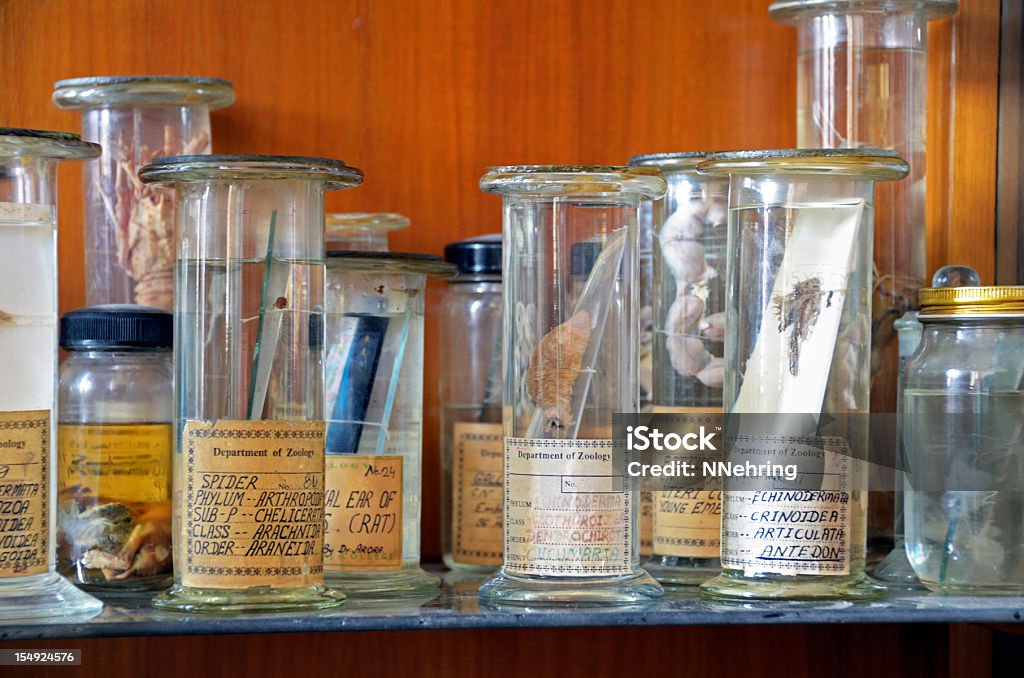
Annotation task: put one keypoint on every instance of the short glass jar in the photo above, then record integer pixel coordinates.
(361, 231)
(472, 448)
(114, 447)
(963, 403)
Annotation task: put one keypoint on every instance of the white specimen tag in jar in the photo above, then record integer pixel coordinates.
(567, 511)
(24, 493)
(254, 504)
(800, 527)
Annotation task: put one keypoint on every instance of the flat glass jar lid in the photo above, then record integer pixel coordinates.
(389, 262)
(35, 143)
(574, 181)
(349, 223)
(794, 10)
(151, 90)
(1002, 301)
(199, 168)
(866, 163)
(668, 162)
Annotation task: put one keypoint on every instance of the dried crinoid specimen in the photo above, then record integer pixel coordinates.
(800, 310)
(555, 364)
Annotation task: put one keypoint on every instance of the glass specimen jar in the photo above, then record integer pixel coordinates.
(961, 428)
(896, 570)
(570, 363)
(796, 349)
(116, 400)
(248, 359)
(472, 451)
(690, 233)
(29, 584)
(129, 225)
(365, 231)
(374, 401)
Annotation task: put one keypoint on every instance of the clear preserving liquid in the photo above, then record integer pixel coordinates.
(967, 536)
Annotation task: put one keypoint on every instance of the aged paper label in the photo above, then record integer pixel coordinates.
(364, 512)
(130, 462)
(688, 523)
(26, 211)
(803, 527)
(254, 504)
(478, 500)
(567, 512)
(24, 493)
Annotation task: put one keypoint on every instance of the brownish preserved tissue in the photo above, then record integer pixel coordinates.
(555, 365)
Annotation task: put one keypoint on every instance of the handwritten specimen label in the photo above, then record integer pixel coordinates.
(801, 527)
(688, 523)
(254, 504)
(364, 512)
(129, 462)
(567, 512)
(646, 523)
(24, 493)
(478, 503)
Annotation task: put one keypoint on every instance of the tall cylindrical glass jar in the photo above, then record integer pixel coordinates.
(472, 470)
(365, 231)
(689, 226)
(374, 399)
(116, 408)
(29, 584)
(961, 429)
(248, 360)
(798, 324)
(862, 82)
(129, 225)
(570, 363)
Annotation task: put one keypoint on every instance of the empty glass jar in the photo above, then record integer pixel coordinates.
(248, 356)
(963, 405)
(472, 466)
(29, 584)
(569, 338)
(129, 225)
(796, 353)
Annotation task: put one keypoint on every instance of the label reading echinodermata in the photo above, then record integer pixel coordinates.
(24, 493)
(254, 493)
(478, 494)
(364, 512)
(802, 527)
(688, 522)
(566, 510)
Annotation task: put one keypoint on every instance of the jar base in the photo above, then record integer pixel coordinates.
(409, 582)
(674, 571)
(133, 585)
(259, 599)
(800, 587)
(45, 597)
(456, 566)
(637, 587)
(895, 571)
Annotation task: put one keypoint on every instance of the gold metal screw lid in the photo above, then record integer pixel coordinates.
(1004, 300)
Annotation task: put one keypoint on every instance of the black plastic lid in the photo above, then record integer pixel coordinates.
(582, 257)
(476, 256)
(114, 326)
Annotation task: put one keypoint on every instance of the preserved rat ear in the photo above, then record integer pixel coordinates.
(554, 366)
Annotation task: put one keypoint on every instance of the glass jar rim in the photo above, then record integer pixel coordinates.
(684, 160)
(866, 163)
(979, 302)
(578, 181)
(168, 90)
(37, 143)
(791, 11)
(389, 262)
(345, 223)
(205, 168)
